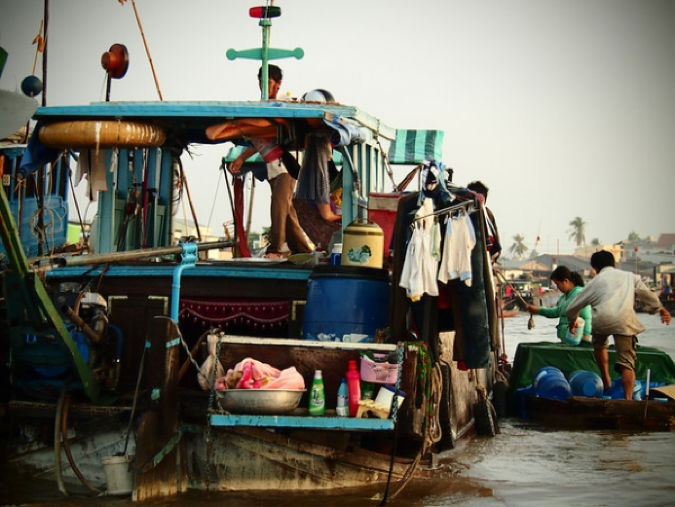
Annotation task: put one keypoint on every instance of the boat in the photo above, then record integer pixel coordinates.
(110, 343)
(562, 403)
(509, 308)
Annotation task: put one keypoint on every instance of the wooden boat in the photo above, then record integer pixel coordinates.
(111, 342)
(598, 413)
(584, 412)
(509, 308)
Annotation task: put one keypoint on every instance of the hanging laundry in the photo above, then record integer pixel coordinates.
(460, 238)
(418, 275)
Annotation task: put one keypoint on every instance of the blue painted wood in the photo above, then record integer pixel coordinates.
(195, 110)
(225, 270)
(290, 421)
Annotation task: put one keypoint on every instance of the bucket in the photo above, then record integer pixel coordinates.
(385, 396)
(586, 383)
(363, 244)
(346, 304)
(575, 339)
(119, 476)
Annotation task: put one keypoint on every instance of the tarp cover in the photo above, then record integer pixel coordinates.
(415, 146)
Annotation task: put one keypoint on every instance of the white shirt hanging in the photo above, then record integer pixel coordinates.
(460, 238)
(418, 275)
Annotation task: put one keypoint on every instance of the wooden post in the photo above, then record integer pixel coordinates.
(158, 441)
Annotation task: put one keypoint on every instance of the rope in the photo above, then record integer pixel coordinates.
(430, 379)
(211, 407)
(385, 159)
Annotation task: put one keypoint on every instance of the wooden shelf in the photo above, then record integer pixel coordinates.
(309, 422)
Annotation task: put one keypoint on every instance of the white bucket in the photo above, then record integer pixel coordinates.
(119, 476)
(386, 395)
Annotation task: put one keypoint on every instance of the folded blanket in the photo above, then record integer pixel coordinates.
(250, 373)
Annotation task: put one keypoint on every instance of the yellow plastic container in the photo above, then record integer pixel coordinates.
(363, 244)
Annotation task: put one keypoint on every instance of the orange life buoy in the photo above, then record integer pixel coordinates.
(101, 134)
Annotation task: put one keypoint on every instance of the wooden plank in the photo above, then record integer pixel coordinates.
(155, 477)
(667, 391)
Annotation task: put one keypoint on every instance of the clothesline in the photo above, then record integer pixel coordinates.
(471, 202)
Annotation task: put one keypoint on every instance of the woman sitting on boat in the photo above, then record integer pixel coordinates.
(570, 284)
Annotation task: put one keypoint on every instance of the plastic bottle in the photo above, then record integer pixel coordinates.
(336, 254)
(354, 387)
(317, 398)
(343, 399)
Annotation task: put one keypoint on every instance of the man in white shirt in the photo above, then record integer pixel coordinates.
(611, 295)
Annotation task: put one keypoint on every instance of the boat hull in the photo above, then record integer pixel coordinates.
(596, 413)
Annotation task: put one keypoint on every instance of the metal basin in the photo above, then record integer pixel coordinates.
(260, 401)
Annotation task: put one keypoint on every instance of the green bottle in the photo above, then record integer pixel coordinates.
(317, 398)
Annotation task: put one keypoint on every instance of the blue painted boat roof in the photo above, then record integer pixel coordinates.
(193, 117)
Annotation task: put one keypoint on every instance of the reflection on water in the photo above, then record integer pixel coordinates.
(525, 465)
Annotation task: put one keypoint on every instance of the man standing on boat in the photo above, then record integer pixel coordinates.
(285, 227)
(494, 244)
(611, 295)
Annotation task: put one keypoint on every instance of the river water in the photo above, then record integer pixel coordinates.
(524, 465)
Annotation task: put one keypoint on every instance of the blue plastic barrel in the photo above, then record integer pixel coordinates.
(586, 383)
(546, 370)
(554, 387)
(549, 382)
(346, 303)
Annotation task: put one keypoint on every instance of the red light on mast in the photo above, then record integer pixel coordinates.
(265, 12)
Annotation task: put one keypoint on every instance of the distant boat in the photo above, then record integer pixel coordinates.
(509, 308)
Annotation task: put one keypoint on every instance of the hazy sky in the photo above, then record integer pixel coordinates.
(563, 108)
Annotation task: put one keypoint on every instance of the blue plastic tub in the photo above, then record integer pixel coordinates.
(346, 304)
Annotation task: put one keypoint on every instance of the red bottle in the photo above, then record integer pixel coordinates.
(354, 387)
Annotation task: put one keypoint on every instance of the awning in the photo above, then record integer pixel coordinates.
(415, 146)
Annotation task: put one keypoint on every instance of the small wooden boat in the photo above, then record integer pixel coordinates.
(598, 413)
(656, 413)
(508, 309)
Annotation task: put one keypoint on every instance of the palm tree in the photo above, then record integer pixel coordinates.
(596, 242)
(633, 238)
(519, 247)
(577, 232)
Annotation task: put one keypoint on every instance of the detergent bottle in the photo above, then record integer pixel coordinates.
(354, 387)
(342, 408)
(317, 398)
